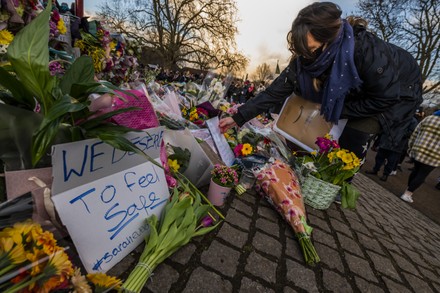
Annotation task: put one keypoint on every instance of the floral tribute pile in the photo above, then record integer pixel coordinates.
(32, 261)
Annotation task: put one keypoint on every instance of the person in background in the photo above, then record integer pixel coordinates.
(389, 155)
(424, 148)
(351, 72)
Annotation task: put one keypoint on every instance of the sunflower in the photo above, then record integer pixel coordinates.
(104, 282)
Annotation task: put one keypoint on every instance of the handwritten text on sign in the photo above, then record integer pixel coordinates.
(80, 162)
(106, 217)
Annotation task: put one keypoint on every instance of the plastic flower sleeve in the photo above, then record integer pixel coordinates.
(281, 187)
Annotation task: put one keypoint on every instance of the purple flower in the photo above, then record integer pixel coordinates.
(207, 221)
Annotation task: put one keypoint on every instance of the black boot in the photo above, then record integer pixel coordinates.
(384, 177)
(438, 185)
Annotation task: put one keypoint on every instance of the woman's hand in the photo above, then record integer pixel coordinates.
(226, 123)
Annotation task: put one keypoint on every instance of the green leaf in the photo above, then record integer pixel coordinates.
(43, 138)
(203, 231)
(61, 107)
(349, 195)
(82, 90)
(17, 89)
(152, 240)
(29, 56)
(81, 71)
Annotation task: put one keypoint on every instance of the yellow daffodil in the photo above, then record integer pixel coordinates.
(331, 156)
(104, 282)
(314, 153)
(174, 165)
(328, 136)
(247, 149)
(340, 153)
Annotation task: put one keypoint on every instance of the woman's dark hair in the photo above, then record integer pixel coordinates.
(321, 19)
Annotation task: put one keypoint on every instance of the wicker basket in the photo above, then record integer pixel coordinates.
(317, 193)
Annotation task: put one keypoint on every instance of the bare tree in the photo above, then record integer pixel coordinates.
(413, 25)
(263, 73)
(200, 33)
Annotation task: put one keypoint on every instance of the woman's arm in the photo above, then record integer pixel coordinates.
(280, 89)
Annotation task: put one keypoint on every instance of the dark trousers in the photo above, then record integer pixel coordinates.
(418, 175)
(356, 141)
(392, 158)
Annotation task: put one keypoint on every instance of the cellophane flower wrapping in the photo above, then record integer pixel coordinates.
(280, 186)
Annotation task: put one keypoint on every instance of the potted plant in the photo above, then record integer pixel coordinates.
(40, 110)
(222, 180)
(326, 173)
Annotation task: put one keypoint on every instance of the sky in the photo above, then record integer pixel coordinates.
(263, 27)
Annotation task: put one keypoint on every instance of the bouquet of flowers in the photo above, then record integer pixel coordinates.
(32, 261)
(178, 158)
(332, 164)
(224, 175)
(250, 142)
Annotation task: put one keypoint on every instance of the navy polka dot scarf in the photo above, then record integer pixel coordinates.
(343, 75)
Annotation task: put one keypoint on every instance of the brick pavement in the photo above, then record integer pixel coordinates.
(382, 246)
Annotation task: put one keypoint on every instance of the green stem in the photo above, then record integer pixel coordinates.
(17, 287)
(309, 252)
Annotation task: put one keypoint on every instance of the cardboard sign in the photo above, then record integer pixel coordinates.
(301, 123)
(223, 148)
(103, 196)
(106, 218)
(80, 162)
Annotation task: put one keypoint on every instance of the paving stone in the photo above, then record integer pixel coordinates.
(289, 290)
(325, 238)
(394, 287)
(288, 232)
(416, 258)
(335, 214)
(268, 213)
(369, 242)
(183, 255)
(293, 249)
(162, 279)
(383, 265)
(361, 267)
(202, 280)
(350, 245)
(267, 244)
(340, 227)
(389, 245)
(428, 274)
(232, 235)
(317, 222)
(330, 257)
(301, 276)
(430, 259)
(365, 286)
(350, 214)
(221, 258)
(261, 267)
(237, 219)
(248, 197)
(249, 286)
(127, 264)
(417, 284)
(268, 226)
(335, 282)
(402, 243)
(242, 207)
(404, 264)
(359, 227)
(315, 212)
